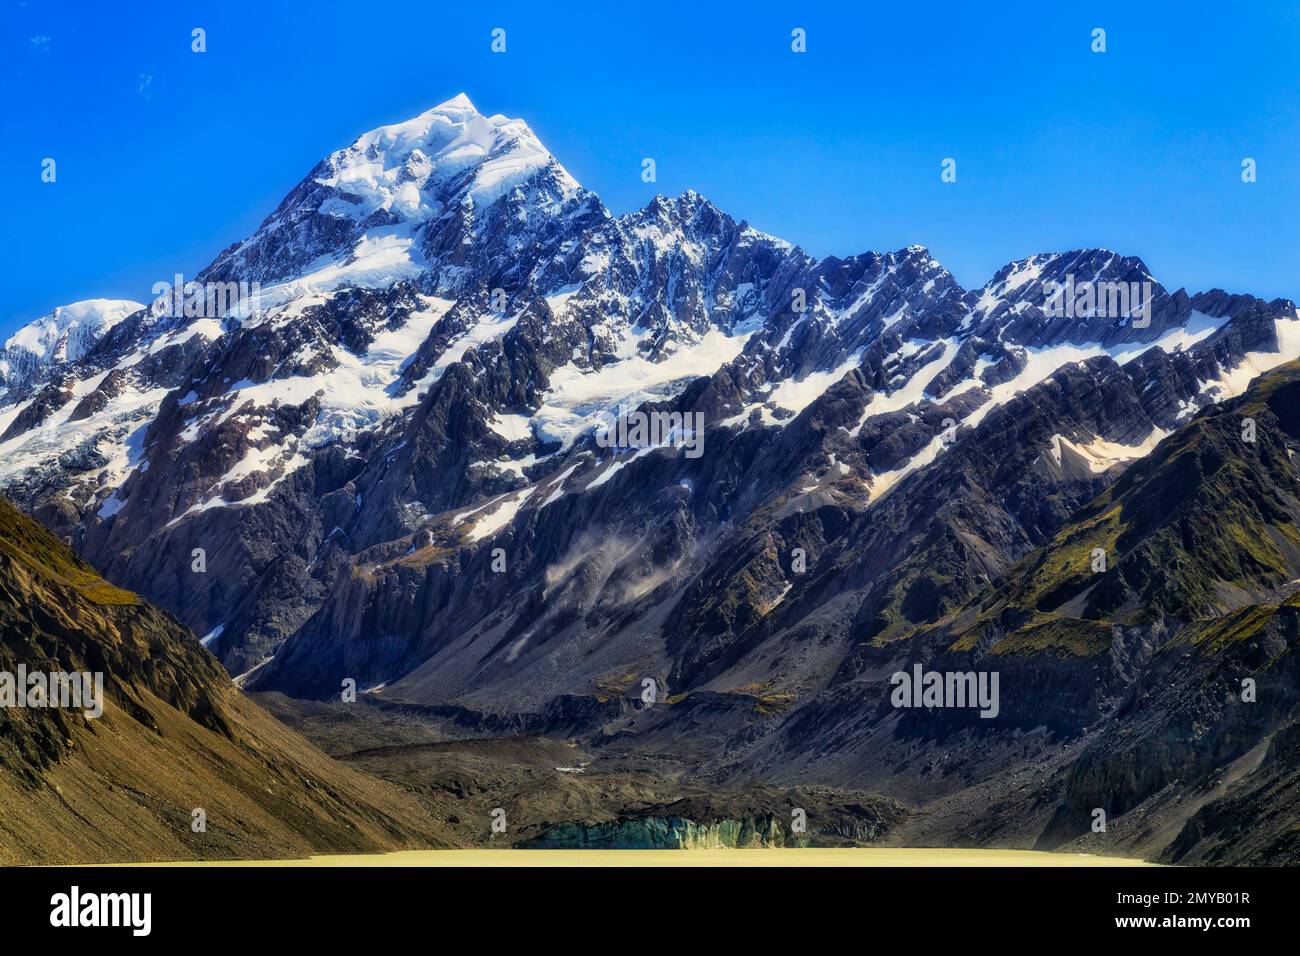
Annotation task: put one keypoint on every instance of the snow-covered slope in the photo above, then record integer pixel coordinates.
(63, 335)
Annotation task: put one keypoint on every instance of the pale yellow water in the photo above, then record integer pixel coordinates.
(751, 857)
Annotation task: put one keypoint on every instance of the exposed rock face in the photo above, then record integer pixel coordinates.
(1148, 689)
(1254, 822)
(386, 464)
(174, 736)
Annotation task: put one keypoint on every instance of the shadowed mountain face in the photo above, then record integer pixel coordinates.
(1146, 657)
(174, 737)
(388, 463)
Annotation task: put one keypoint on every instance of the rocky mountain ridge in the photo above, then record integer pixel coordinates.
(373, 381)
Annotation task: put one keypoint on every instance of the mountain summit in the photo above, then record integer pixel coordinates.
(392, 165)
(398, 196)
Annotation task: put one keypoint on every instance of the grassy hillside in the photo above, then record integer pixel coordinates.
(175, 736)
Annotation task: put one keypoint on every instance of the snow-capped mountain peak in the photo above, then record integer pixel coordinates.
(71, 327)
(405, 167)
(63, 335)
(413, 192)
(1082, 296)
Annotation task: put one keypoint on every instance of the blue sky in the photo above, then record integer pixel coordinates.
(166, 156)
